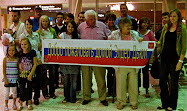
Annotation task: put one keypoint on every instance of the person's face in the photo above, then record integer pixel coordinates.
(81, 18)
(15, 17)
(28, 26)
(126, 28)
(123, 10)
(70, 28)
(38, 13)
(165, 19)
(45, 23)
(11, 51)
(110, 22)
(67, 19)
(91, 20)
(24, 45)
(145, 24)
(173, 18)
(60, 18)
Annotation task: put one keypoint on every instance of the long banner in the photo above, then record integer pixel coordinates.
(106, 53)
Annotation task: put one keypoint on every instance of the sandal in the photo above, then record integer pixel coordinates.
(14, 107)
(6, 109)
(19, 108)
(169, 109)
(134, 107)
(30, 107)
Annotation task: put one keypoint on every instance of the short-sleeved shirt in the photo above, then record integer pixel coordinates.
(26, 60)
(98, 32)
(149, 36)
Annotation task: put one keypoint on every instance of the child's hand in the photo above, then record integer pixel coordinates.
(29, 77)
(140, 39)
(39, 61)
(20, 67)
(6, 81)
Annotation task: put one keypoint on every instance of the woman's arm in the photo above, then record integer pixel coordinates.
(33, 68)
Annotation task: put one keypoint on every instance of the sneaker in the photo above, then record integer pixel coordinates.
(6, 109)
(19, 108)
(30, 107)
(14, 107)
(120, 106)
(85, 102)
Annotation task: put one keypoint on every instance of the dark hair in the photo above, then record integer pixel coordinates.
(81, 13)
(16, 53)
(124, 21)
(70, 15)
(165, 13)
(60, 13)
(123, 5)
(110, 15)
(38, 8)
(17, 11)
(74, 33)
(30, 21)
(144, 20)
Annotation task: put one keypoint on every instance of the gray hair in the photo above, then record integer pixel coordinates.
(90, 12)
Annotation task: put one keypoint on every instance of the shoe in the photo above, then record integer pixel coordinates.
(14, 107)
(104, 102)
(6, 109)
(169, 109)
(53, 96)
(19, 108)
(134, 107)
(85, 102)
(120, 106)
(36, 101)
(160, 107)
(30, 107)
(46, 97)
(147, 95)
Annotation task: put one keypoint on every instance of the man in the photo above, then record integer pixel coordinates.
(59, 27)
(93, 30)
(81, 18)
(124, 13)
(37, 15)
(165, 19)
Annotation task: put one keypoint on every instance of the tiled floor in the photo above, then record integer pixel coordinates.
(145, 104)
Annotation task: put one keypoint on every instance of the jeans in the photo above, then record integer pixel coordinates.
(25, 89)
(70, 83)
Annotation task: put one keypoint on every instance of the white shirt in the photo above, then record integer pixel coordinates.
(63, 35)
(20, 28)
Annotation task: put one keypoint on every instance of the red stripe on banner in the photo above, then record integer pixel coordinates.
(93, 60)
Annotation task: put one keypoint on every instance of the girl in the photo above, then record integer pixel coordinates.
(148, 36)
(70, 72)
(36, 45)
(10, 72)
(173, 49)
(126, 74)
(46, 32)
(27, 66)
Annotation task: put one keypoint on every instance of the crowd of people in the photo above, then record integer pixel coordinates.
(24, 72)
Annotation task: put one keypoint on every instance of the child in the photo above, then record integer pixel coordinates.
(27, 66)
(10, 72)
(70, 72)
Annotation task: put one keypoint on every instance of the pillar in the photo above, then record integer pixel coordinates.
(168, 5)
(75, 6)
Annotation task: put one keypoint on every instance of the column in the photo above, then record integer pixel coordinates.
(75, 6)
(0, 22)
(169, 5)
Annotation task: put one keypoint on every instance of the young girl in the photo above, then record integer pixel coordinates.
(46, 32)
(148, 36)
(10, 72)
(70, 72)
(27, 66)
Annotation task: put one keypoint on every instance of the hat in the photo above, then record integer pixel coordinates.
(37, 8)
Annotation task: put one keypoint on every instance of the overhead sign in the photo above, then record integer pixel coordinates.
(106, 53)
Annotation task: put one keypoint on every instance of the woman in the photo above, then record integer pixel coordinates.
(36, 45)
(46, 32)
(126, 74)
(148, 36)
(173, 49)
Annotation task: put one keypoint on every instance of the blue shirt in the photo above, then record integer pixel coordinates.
(35, 24)
(118, 19)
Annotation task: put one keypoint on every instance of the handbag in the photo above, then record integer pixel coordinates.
(155, 66)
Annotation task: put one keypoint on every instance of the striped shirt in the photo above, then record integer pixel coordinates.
(12, 71)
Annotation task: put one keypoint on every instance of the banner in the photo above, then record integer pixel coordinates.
(106, 53)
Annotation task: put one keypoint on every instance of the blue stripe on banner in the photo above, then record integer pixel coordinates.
(143, 54)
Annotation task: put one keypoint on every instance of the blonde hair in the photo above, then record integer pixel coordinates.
(30, 47)
(40, 24)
